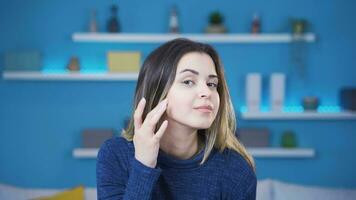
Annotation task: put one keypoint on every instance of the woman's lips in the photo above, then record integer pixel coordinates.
(205, 109)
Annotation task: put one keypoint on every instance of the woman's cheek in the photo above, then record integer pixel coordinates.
(217, 104)
(170, 111)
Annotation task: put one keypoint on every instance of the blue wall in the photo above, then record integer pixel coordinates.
(41, 122)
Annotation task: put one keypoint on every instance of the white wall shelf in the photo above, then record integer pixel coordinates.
(72, 76)
(282, 152)
(255, 152)
(298, 115)
(85, 152)
(212, 38)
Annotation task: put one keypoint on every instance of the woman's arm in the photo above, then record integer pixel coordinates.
(116, 180)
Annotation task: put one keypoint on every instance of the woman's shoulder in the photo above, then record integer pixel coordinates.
(233, 157)
(238, 176)
(117, 146)
(237, 165)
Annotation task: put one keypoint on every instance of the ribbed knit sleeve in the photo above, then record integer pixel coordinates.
(119, 177)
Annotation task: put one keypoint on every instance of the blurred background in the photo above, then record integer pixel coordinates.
(60, 89)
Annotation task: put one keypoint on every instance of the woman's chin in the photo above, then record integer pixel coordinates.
(201, 125)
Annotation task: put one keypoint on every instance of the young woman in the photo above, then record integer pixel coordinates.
(180, 142)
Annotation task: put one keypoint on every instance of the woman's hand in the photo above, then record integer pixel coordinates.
(146, 142)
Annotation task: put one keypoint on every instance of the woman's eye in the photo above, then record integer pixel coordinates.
(213, 85)
(188, 82)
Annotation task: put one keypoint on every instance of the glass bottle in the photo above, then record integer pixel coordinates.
(256, 24)
(93, 27)
(173, 21)
(113, 25)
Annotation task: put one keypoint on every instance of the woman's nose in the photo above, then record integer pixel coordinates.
(204, 91)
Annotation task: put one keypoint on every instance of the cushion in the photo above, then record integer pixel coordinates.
(264, 190)
(289, 191)
(76, 193)
(10, 192)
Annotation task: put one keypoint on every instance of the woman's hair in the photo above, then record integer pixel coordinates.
(156, 78)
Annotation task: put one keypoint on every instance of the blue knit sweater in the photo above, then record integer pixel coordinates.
(224, 175)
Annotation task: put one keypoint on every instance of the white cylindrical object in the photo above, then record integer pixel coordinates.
(277, 91)
(253, 92)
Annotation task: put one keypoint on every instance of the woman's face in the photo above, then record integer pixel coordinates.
(193, 99)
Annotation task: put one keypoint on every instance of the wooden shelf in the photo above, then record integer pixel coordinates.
(255, 152)
(212, 38)
(73, 76)
(297, 115)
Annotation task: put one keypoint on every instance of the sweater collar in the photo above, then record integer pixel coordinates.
(167, 161)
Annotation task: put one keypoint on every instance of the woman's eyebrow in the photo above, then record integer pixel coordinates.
(197, 73)
(190, 70)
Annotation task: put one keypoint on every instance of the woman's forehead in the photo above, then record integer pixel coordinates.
(200, 62)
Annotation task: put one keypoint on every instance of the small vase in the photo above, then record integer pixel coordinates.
(216, 28)
(73, 64)
(310, 103)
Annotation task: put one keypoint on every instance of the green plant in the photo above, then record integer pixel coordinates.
(216, 18)
(288, 139)
(299, 25)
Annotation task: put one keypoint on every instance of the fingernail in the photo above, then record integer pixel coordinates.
(164, 103)
(143, 99)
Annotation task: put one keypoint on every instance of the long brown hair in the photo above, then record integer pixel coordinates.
(157, 76)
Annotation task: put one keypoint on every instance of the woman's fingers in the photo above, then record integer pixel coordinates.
(154, 116)
(138, 113)
(156, 109)
(161, 130)
(146, 142)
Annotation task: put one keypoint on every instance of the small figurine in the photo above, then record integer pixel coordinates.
(256, 24)
(173, 21)
(113, 25)
(73, 64)
(93, 27)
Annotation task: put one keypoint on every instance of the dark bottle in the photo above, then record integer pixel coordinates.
(113, 25)
(256, 24)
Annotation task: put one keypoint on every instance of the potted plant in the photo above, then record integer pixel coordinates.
(288, 139)
(299, 25)
(216, 23)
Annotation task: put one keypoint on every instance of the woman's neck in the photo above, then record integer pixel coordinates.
(179, 141)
